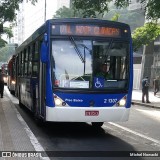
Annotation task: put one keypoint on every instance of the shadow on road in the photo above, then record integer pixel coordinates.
(75, 137)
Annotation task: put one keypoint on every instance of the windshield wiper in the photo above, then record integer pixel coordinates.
(109, 47)
(77, 50)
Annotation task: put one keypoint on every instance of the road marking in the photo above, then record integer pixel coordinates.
(135, 133)
(37, 146)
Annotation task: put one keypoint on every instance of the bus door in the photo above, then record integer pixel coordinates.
(42, 90)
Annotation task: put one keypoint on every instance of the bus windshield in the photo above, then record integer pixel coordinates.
(90, 64)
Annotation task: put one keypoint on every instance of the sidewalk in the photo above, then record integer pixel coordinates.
(137, 99)
(14, 133)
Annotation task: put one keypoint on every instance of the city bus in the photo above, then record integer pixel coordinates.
(57, 66)
(11, 74)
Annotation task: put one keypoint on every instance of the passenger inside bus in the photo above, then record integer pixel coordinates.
(104, 72)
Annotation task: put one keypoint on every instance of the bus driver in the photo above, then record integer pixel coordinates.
(104, 73)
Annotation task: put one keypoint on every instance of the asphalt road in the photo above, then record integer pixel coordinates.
(140, 133)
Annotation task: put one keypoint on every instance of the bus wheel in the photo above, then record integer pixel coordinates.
(97, 124)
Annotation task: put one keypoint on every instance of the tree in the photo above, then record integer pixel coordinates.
(2, 43)
(65, 12)
(6, 52)
(8, 9)
(145, 35)
(8, 32)
(8, 13)
(91, 7)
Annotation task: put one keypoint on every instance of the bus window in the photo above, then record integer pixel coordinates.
(21, 63)
(35, 69)
(25, 62)
(72, 61)
(35, 51)
(115, 56)
(29, 61)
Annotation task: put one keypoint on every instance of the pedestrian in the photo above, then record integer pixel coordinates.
(156, 85)
(1, 83)
(145, 90)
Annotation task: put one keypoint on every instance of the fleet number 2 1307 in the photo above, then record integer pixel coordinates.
(110, 100)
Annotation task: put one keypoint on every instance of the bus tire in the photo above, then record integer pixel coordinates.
(97, 124)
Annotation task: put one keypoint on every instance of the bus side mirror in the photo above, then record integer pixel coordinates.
(44, 57)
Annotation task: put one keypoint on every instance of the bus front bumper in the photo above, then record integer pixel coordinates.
(87, 114)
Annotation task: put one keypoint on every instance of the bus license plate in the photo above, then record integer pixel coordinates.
(91, 113)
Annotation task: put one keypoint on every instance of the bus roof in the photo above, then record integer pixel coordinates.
(86, 20)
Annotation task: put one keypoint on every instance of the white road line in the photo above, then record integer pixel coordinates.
(37, 146)
(135, 133)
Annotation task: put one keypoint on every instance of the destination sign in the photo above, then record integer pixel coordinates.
(86, 30)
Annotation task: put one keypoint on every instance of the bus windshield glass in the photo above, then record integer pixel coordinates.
(88, 64)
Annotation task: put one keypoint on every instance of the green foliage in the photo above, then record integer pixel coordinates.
(91, 7)
(152, 9)
(65, 12)
(7, 14)
(8, 9)
(115, 17)
(6, 52)
(145, 35)
(133, 18)
(2, 43)
(8, 31)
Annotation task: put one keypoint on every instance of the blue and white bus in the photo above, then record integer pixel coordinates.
(57, 65)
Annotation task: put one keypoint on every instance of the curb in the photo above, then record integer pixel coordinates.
(150, 105)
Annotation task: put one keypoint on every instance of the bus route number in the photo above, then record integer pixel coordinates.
(114, 100)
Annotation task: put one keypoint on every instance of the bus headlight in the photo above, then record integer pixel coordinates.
(13, 82)
(122, 102)
(58, 101)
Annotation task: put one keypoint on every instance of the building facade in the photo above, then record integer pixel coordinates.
(30, 17)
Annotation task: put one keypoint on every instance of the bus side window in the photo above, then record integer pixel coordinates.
(35, 69)
(25, 62)
(29, 61)
(21, 63)
(35, 59)
(18, 61)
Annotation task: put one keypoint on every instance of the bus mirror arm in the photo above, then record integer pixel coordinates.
(44, 57)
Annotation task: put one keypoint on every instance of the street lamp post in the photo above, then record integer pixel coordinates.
(44, 10)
